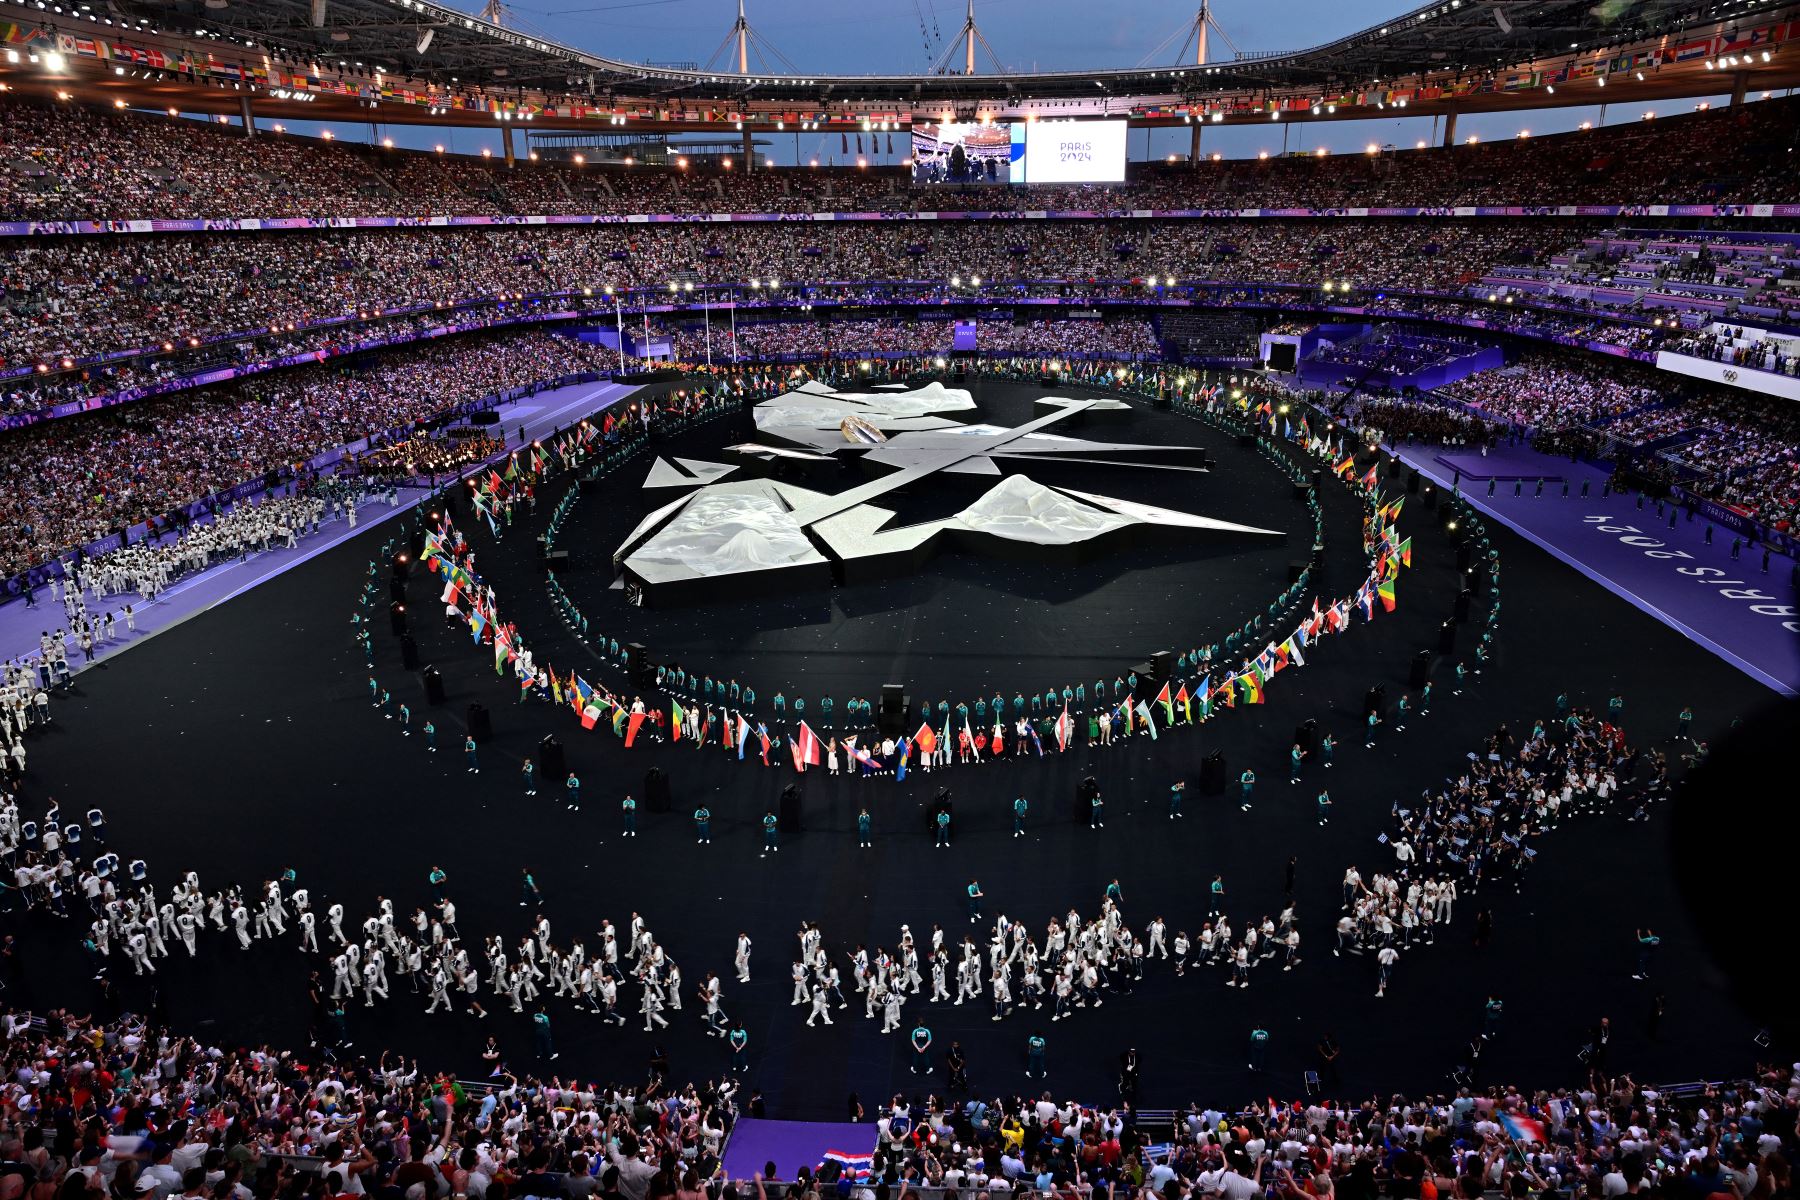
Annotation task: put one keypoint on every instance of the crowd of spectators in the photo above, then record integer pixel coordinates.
(65, 160)
(205, 1122)
(81, 478)
(1126, 338)
(77, 297)
(1553, 390)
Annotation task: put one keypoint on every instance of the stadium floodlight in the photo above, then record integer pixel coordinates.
(425, 41)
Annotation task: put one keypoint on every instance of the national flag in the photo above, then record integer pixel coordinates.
(743, 736)
(1203, 693)
(762, 733)
(1143, 710)
(705, 728)
(590, 716)
(1167, 700)
(859, 754)
(1365, 598)
(500, 654)
(555, 686)
(794, 753)
(1253, 692)
(1187, 704)
(1523, 1129)
(1065, 729)
(1370, 480)
(477, 623)
(632, 727)
(619, 717)
(1292, 649)
(926, 740)
(1405, 552)
(1346, 468)
(807, 746)
(1386, 591)
(677, 716)
(901, 753)
(856, 1166)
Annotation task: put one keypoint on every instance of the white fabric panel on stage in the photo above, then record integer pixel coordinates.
(1023, 510)
(722, 531)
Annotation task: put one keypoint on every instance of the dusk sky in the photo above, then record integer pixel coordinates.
(886, 36)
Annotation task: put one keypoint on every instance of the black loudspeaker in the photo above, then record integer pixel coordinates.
(657, 796)
(1296, 568)
(790, 808)
(1431, 497)
(890, 717)
(552, 766)
(402, 566)
(481, 728)
(643, 672)
(1163, 402)
(1307, 735)
(1475, 580)
(485, 417)
(1463, 600)
(397, 590)
(397, 615)
(1302, 491)
(409, 653)
(1412, 479)
(1447, 638)
(1047, 381)
(1375, 700)
(434, 686)
(589, 483)
(1421, 669)
(1162, 666)
(1465, 555)
(1212, 774)
(1246, 440)
(555, 560)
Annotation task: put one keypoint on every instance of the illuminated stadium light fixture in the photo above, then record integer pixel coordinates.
(1321, 152)
(118, 104)
(281, 129)
(974, 281)
(1709, 64)
(1524, 133)
(1262, 154)
(1419, 145)
(725, 163)
(1217, 156)
(682, 163)
(1551, 88)
(1640, 76)
(1587, 125)
(1601, 81)
(1371, 148)
(1650, 116)
(1474, 139)
(486, 153)
(387, 143)
(1171, 158)
(769, 162)
(1217, 117)
(327, 134)
(54, 61)
(580, 159)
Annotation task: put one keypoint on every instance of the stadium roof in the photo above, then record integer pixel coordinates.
(454, 67)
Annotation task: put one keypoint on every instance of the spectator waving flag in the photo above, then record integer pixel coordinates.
(1524, 1129)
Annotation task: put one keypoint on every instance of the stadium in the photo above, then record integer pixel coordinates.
(584, 625)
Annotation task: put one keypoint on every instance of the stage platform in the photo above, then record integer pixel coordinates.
(260, 710)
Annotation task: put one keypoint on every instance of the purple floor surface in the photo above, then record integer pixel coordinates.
(1732, 608)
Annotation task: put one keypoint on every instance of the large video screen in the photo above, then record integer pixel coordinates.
(968, 154)
(1075, 152)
